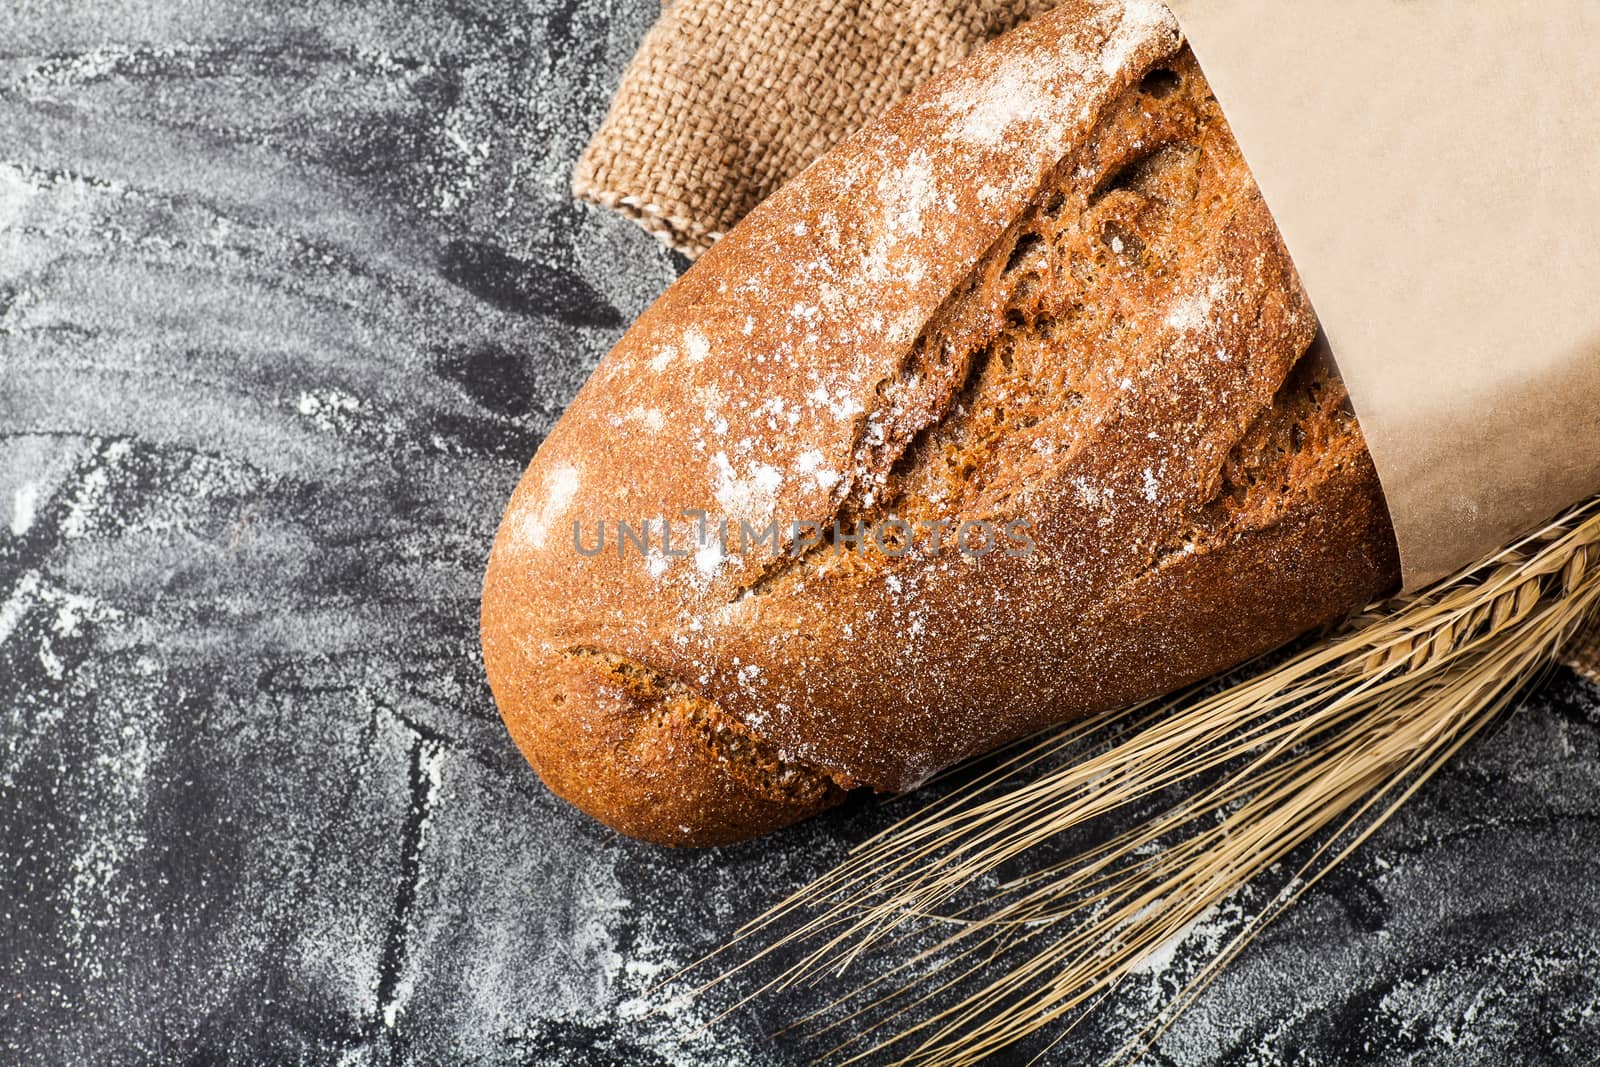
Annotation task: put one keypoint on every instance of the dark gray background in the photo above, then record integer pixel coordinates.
(288, 294)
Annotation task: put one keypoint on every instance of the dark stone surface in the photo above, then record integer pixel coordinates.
(288, 294)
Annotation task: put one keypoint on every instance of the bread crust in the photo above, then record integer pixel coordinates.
(1042, 288)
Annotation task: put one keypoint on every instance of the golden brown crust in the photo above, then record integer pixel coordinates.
(611, 736)
(1081, 317)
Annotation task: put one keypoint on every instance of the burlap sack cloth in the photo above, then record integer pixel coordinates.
(725, 101)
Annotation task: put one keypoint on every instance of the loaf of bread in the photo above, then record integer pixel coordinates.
(1039, 308)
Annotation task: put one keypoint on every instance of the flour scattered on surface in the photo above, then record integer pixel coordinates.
(1203, 928)
(695, 346)
(709, 557)
(1192, 313)
(812, 463)
(1141, 20)
(663, 358)
(750, 497)
(651, 419)
(560, 486)
(983, 112)
(907, 194)
(16, 192)
(93, 493)
(23, 502)
(840, 405)
(330, 409)
(1028, 88)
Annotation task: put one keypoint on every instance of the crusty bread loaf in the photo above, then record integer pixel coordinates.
(1045, 289)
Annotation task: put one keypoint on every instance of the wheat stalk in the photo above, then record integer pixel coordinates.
(1295, 763)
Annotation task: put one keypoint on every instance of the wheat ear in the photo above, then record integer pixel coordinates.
(1294, 763)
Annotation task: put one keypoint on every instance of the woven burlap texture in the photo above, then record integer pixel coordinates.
(725, 101)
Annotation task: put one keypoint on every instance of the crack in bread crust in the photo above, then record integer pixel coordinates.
(1005, 360)
(746, 755)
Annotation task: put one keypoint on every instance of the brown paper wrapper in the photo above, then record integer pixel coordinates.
(1433, 168)
(1439, 208)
